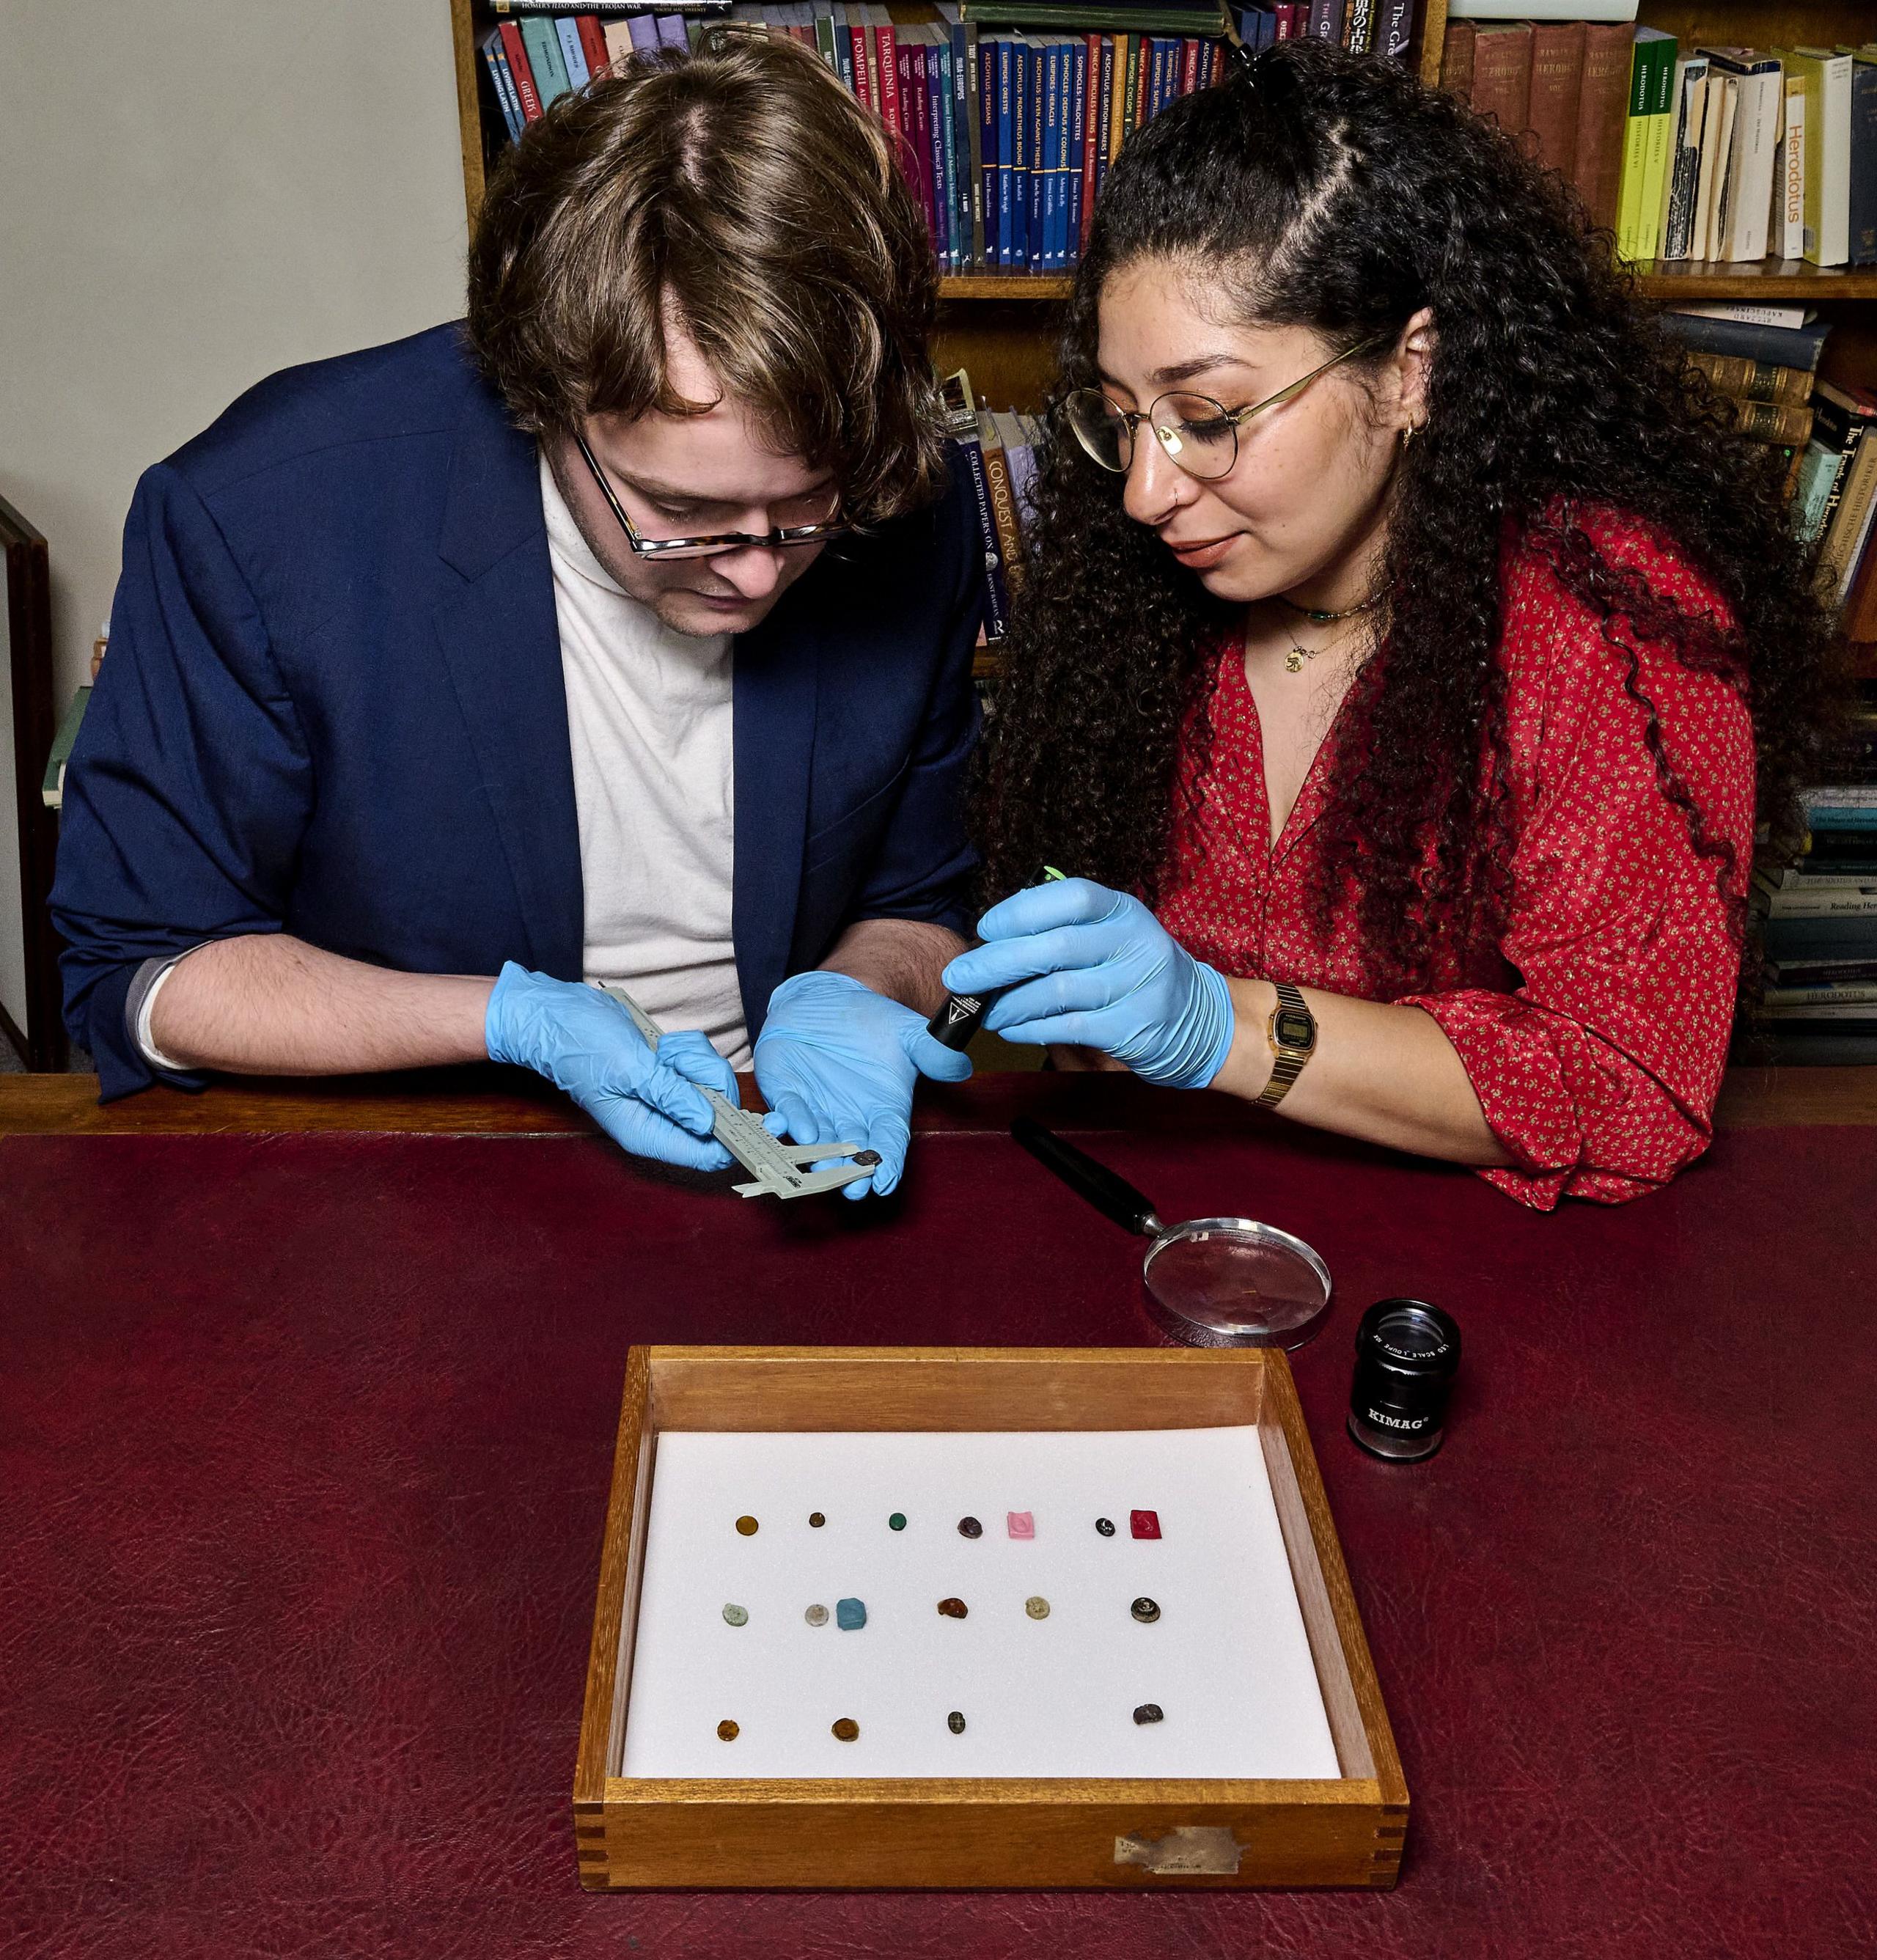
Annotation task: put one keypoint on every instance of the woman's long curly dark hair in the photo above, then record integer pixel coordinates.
(1337, 193)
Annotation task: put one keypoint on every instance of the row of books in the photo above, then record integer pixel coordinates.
(1722, 154)
(1363, 26)
(1005, 137)
(1818, 919)
(1765, 359)
(1000, 449)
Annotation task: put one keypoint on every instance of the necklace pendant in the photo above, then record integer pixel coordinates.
(1293, 660)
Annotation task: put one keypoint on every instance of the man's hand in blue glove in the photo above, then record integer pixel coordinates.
(644, 1098)
(1094, 968)
(837, 1062)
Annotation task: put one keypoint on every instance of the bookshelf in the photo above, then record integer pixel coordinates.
(1002, 327)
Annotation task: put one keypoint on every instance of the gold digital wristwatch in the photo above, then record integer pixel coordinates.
(1292, 1033)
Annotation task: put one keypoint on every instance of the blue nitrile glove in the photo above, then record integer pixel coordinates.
(585, 1043)
(1094, 968)
(836, 1063)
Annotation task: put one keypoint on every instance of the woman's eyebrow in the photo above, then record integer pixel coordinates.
(1181, 371)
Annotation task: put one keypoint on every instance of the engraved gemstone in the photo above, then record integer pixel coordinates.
(1021, 1524)
(955, 1722)
(737, 1616)
(847, 1729)
(897, 1522)
(970, 1528)
(849, 1614)
(1036, 1606)
(1144, 1524)
(816, 1616)
(1148, 1711)
(1106, 1526)
(1145, 1610)
(815, 1519)
(746, 1526)
(953, 1609)
(726, 1732)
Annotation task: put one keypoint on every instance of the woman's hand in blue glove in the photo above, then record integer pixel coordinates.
(644, 1098)
(1095, 968)
(837, 1062)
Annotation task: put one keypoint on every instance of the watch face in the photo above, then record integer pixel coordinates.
(1295, 1030)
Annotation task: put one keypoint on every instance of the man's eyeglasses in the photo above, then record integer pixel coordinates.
(1199, 434)
(780, 539)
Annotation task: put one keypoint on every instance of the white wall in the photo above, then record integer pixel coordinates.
(192, 194)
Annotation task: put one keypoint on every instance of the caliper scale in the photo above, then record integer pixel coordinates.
(779, 1169)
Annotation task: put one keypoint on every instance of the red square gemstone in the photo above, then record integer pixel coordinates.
(1144, 1524)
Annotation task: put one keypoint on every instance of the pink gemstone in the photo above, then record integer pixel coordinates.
(1021, 1523)
(1144, 1524)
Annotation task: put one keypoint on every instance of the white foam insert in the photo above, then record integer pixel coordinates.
(1227, 1660)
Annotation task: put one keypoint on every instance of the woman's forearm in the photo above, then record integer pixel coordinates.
(1386, 1075)
(266, 1004)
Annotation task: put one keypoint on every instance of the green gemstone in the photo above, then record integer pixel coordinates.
(897, 1522)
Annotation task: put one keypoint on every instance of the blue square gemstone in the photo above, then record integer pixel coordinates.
(849, 1614)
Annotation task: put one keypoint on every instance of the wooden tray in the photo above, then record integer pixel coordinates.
(635, 1832)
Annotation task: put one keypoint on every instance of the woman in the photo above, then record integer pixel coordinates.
(1402, 626)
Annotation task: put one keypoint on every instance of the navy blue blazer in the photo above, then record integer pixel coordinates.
(333, 707)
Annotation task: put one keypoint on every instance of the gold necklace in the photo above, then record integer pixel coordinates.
(1298, 654)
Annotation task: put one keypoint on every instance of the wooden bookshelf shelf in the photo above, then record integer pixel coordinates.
(1006, 286)
(1768, 279)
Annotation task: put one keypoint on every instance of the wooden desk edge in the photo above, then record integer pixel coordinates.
(479, 1103)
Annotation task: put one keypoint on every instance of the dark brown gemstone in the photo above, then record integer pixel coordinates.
(726, 1732)
(1106, 1526)
(848, 1730)
(953, 1609)
(815, 1519)
(955, 1722)
(1148, 1711)
(747, 1526)
(970, 1528)
(1145, 1610)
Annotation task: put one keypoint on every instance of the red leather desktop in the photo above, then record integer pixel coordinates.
(304, 1446)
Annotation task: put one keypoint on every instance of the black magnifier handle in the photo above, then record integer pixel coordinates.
(1110, 1193)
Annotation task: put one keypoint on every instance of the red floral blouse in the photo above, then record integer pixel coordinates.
(1597, 1053)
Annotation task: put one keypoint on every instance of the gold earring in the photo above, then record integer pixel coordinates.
(1409, 431)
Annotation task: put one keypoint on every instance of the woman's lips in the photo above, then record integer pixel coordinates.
(1201, 555)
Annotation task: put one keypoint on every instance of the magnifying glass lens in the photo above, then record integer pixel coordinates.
(1229, 1283)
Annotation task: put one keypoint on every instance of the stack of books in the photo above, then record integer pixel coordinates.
(1764, 360)
(1000, 450)
(1715, 154)
(1364, 27)
(1818, 919)
(1005, 134)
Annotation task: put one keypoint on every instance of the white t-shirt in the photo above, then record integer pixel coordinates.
(649, 715)
(649, 719)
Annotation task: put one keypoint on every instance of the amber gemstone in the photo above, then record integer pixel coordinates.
(815, 1519)
(726, 1732)
(953, 1609)
(847, 1729)
(747, 1526)
(1037, 1607)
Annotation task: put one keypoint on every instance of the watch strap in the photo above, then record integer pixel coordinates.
(1288, 1063)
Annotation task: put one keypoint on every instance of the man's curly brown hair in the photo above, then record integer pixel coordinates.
(740, 192)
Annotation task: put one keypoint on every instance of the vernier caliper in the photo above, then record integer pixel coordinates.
(780, 1170)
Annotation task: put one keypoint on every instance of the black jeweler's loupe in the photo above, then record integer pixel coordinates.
(1407, 1354)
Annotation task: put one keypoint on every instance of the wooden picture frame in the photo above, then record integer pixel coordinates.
(1132, 1834)
(41, 1043)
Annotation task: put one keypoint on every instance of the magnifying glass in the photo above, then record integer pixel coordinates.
(1210, 1282)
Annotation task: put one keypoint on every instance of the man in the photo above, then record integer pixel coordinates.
(625, 633)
